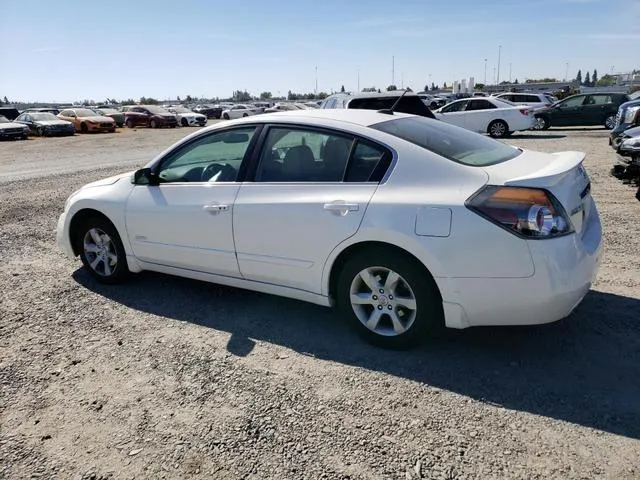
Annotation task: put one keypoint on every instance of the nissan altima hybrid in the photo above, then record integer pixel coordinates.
(405, 224)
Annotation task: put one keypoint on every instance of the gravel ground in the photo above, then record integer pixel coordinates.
(172, 378)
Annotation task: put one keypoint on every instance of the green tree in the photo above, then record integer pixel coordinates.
(516, 81)
(188, 98)
(178, 98)
(426, 88)
(444, 86)
(606, 81)
(433, 86)
(1, 102)
(479, 86)
(265, 95)
(579, 77)
(342, 89)
(5, 100)
(391, 88)
(369, 89)
(148, 101)
(587, 80)
(594, 78)
(241, 96)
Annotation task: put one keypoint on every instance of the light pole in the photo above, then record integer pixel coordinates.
(358, 80)
(509, 72)
(485, 71)
(499, 53)
(566, 72)
(315, 92)
(393, 69)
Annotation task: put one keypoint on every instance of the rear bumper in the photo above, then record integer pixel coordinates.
(565, 267)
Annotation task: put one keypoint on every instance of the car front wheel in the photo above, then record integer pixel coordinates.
(101, 251)
(542, 123)
(388, 299)
(610, 122)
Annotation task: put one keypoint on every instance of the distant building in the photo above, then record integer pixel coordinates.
(531, 87)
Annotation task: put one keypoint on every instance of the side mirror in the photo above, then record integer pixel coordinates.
(145, 176)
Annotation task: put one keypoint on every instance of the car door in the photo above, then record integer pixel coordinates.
(479, 114)
(454, 113)
(596, 108)
(568, 112)
(185, 221)
(310, 191)
(70, 116)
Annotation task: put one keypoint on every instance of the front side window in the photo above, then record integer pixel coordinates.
(573, 102)
(298, 155)
(455, 107)
(450, 142)
(215, 157)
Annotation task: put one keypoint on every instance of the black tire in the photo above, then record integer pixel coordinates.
(426, 319)
(184, 122)
(498, 129)
(245, 115)
(153, 124)
(84, 128)
(610, 122)
(110, 248)
(226, 116)
(40, 131)
(129, 123)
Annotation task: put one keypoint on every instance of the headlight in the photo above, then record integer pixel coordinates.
(630, 144)
(630, 114)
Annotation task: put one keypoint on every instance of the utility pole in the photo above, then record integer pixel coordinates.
(358, 80)
(499, 53)
(566, 72)
(402, 81)
(485, 71)
(393, 70)
(509, 72)
(315, 92)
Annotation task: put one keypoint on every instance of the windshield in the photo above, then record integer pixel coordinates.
(635, 95)
(43, 117)
(180, 110)
(448, 141)
(85, 112)
(106, 111)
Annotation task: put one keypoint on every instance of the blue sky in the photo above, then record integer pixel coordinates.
(70, 50)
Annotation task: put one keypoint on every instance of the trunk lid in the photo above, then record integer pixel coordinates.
(560, 173)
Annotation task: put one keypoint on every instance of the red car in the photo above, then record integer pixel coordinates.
(150, 116)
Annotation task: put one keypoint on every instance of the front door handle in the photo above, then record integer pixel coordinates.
(215, 208)
(341, 208)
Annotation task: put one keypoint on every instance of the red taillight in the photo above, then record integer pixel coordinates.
(524, 111)
(527, 212)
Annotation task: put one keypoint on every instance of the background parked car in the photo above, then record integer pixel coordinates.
(53, 110)
(281, 107)
(150, 116)
(45, 124)
(12, 130)
(584, 109)
(86, 120)
(117, 116)
(409, 103)
(209, 111)
(628, 116)
(489, 115)
(534, 100)
(186, 117)
(239, 111)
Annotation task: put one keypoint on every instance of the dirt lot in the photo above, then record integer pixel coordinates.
(170, 378)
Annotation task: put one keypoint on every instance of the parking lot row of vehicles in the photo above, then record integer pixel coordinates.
(625, 140)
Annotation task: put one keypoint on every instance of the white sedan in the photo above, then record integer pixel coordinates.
(404, 223)
(489, 115)
(238, 111)
(188, 118)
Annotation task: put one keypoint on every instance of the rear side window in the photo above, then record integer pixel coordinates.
(448, 141)
(480, 105)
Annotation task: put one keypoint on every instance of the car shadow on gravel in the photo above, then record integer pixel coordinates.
(584, 369)
(542, 136)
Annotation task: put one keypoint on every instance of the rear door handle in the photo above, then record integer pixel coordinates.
(215, 208)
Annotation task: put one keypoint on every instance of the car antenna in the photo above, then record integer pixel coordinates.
(389, 111)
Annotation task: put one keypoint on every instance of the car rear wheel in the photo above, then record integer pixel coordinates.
(184, 122)
(129, 123)
(610, 122)
(153, 124)
(41, 132)
(226, 116)
(245, 115)
(498, 129)
(101, 251)
(388, 299)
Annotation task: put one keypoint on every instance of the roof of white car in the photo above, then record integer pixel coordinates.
(361, 117)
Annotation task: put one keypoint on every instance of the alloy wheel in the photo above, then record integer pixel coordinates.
(498, 129)
(100, 252)
(610, 122)
(383, 301)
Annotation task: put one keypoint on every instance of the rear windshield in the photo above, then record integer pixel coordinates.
(411, 104)
(448, 141)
